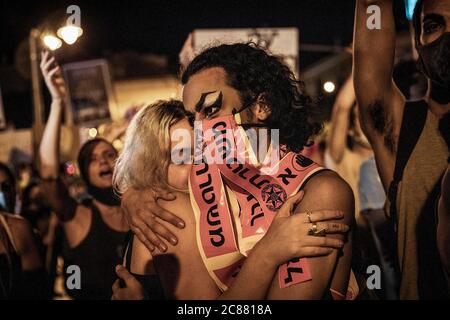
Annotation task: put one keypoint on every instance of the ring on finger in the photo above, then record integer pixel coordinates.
(313, 231)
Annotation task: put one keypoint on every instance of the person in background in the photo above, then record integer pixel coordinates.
(38, 212)
(7, 189)
(347, 146)
(22, 272)
(410, 152)
(94, 230)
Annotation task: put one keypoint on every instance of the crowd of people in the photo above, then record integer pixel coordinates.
(148, 227)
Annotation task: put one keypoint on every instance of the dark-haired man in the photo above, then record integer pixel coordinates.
(410, 151)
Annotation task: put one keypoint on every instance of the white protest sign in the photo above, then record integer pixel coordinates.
(283, 42)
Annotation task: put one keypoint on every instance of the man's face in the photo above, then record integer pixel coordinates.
(435, 20)
(209, 96)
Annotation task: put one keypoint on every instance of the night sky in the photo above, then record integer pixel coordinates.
(161, 26)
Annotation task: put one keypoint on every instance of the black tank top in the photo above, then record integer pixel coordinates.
(96, 256)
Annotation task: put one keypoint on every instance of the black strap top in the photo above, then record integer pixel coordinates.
(96, 256)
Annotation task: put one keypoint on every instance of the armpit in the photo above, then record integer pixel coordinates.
(382, 124)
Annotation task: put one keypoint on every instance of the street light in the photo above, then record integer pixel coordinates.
(52, 42)
(70, 33)
(329, 86)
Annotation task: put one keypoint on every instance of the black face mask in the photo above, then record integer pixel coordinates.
(107, 196)
(434, 62)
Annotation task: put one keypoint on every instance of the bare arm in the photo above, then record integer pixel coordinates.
(340, 121)
(56, 190)
(380, 101)
(177, 265)
(325, 191)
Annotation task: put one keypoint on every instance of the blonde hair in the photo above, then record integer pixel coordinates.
(146, 154)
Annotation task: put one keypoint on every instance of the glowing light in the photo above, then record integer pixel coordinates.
(118, 144)
(70, 168)
(52, 42)
(70, 34)
(329, 86)
(92, 132)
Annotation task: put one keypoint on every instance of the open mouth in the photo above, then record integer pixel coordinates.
(106, 173)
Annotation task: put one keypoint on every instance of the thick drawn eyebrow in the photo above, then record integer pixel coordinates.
(434, 17)
(200, 104)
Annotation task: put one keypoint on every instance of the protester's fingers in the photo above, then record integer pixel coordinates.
(165, 215)
(162, 231)
(151, 236)
(123, 274)
(116, 286)
(143, 238)
(48, 63)
(332, 227)
(315, 251)
(322, 215)
(288, 205)
(44, 55)
(52, 72)
(323, 242)
(165, 195)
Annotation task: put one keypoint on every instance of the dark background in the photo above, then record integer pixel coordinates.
(159, 27)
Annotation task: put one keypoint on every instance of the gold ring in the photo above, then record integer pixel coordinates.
(316, 233)
(313, 229)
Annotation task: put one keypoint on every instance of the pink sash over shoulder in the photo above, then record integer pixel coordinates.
(235, 198)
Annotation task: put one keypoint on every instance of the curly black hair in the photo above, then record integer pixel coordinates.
(254, 73)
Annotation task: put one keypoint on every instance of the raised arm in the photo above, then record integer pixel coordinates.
(57, 192)
(380, 101)
(340, 121)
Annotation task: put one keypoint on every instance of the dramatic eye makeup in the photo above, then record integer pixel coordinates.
(209, 103)
(432, 22)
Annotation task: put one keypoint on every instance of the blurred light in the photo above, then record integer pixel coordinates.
(409, 8)
(52, 42)
(329, 86)
(70, 168)
(92, 132)
(70, 34)
(117, 144)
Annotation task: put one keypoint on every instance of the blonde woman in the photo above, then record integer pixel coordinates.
(146, 163)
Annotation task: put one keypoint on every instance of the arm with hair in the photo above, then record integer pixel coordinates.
(340, 121)
(380, 101)
(56, 191)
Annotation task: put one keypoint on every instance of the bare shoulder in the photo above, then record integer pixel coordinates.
(328, 182)
(21, 230)
(17, 223)
(328, 191)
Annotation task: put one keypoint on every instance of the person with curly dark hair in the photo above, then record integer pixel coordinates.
(257, 78)
(262, 92)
